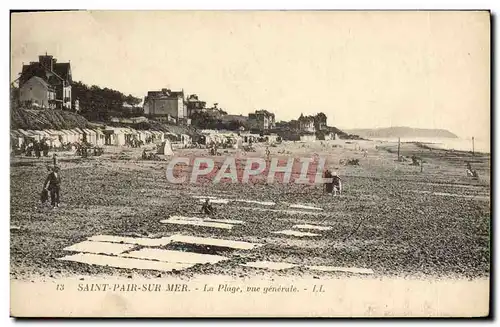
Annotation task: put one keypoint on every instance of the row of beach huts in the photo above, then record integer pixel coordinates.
(121, 136)
(117, 136)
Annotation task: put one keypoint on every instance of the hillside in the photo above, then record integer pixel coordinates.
(405, 132)
(36, 119)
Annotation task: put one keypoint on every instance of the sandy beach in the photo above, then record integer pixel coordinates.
(391, 218)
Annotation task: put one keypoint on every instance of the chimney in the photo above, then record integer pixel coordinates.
(46, 61)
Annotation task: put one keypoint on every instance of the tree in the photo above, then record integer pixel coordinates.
(130, 99)
(203, 120)
(100, 104)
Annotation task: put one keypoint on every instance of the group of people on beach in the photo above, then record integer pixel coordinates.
(334, 183)
(34, 148)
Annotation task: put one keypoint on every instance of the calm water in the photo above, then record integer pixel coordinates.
(447, 143)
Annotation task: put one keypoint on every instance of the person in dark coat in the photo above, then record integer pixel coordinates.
(53, 185)
(45, 148)
(36, 148)
(329, 184)
(207, 208)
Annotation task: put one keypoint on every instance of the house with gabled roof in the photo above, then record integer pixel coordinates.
(165, 105)
(261, 120)
(306, 124)
(38, 93)
(57, 78)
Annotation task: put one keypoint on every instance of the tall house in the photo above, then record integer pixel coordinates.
(320, 122)
(307, 124)
(165, 105)
(262, 119)
(46, 83)
(194, 104)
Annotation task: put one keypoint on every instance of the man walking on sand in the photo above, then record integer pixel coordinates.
(337, 184)
(53, 184)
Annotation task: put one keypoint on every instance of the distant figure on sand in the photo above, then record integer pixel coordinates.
(337, 184)
(36, 148)
(53, 185)
(207, 208)
(471, 172)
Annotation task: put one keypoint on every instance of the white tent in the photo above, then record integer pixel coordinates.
(166, 148)
(17, 138)
(158, 136)
(67, 136)
(239, 143)
(100, 138)
(142, 136)
(90, 135)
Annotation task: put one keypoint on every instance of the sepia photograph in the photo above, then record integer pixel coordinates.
(199, 163)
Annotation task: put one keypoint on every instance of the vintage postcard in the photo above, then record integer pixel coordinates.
(250, 164)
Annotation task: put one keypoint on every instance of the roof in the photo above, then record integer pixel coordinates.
(165, 93)
(63, 69)
(23, 132)
(41, 81)
(306, 118)
(54, 132)
(76, 131)
(15, 133)
(120, 130)
(43, 133)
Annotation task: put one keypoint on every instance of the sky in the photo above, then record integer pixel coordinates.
(362, 69)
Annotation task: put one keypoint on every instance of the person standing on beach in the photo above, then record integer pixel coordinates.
(44, 147)
(53, 185)
(328, 185)
(36, 148)
(337, 184)
(207, 208)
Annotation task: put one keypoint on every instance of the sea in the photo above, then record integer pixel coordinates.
(459, 144)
